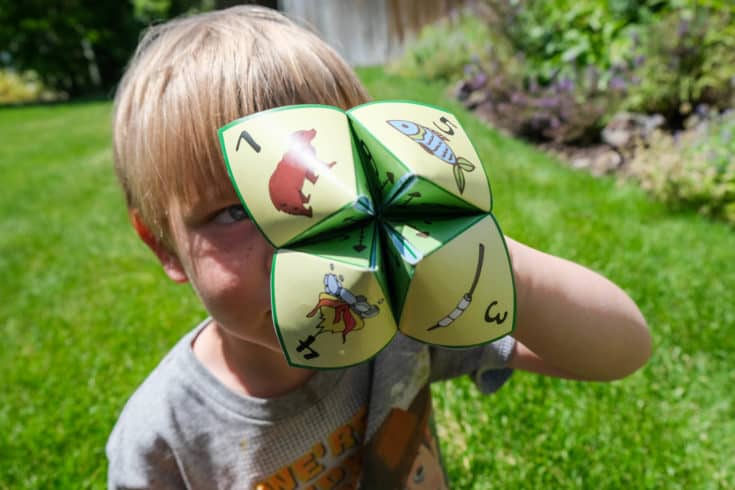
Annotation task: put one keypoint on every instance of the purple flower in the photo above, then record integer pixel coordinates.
(478, 81)
(548, 102)
(518, 98)
(533, 85)
(617, 84)
(565, 85)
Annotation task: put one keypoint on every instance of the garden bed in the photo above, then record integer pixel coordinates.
(603, 86)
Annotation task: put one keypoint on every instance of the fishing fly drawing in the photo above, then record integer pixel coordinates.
(340, 311)
(436, 144)
(466, 299)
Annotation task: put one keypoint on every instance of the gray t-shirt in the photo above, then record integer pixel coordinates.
(370, 423)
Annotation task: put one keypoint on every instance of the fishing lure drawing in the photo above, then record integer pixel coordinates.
(436, 144)
(466, 299)
(340, 311)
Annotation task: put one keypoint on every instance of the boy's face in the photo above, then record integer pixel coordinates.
(227, 260)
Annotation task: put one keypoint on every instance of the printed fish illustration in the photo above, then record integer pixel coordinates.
(436, 144)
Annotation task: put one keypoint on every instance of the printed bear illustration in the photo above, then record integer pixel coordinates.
(299, 163)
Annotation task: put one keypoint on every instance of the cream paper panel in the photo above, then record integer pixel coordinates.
(334, 188)
(375, 116)
(443, 278)
(299, 283)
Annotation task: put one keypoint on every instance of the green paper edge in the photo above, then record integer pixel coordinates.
(433, 106)
(351, 121)
(277, 109)
(425, 256)
(397, 296)
(421, 180)
(234, 184)
(515, 299)
(474, 219)
(274, 316)
(352, 228)
(306, 236)
(407, 179)
(371, 142)
(357, 156)
(220, 136)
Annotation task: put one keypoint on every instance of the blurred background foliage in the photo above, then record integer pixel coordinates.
(694, 168)
(553, 73)
(667, 55)
(24, 87)
(651, 81)
(75, 48)
(558, 73)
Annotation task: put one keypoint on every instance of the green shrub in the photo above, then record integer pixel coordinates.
(568, 110)
(442, 49)
(689, 58)
(695, 168)
(555, 71)
(559, 38)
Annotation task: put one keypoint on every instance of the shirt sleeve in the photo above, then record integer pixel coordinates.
(487, 365)
(138, 460)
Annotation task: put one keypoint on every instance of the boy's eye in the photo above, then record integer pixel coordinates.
(231, 214)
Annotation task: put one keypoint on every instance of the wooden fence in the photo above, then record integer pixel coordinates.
(368, 32)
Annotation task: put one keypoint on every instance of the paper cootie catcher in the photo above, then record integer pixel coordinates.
(382, 221)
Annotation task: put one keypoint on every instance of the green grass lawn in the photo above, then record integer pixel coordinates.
(86, 313)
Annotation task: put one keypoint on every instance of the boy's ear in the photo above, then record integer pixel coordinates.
(170, 262)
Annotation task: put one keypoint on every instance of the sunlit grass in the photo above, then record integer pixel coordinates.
(86, 313)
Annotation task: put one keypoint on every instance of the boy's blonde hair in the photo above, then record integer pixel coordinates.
(192, 75)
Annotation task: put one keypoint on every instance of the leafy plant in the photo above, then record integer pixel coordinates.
(560, 38)
(443, 49)
(570, 109)
(558, 70)
(77, 47)
(695, 65)
(80, 47)
(555, 71)
(695, 168)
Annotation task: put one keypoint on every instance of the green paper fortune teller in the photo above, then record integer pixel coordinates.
(381, 217)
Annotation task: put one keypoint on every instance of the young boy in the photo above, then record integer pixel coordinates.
(224, 409)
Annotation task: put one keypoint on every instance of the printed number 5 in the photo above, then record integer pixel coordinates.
(448, 126)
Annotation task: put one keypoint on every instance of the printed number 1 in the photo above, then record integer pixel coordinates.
(249, 139)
